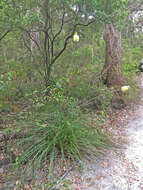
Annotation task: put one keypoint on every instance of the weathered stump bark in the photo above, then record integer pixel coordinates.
(111, 73)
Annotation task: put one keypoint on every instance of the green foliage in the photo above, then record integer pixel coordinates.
(131, 60)
(130, 68)
(33, 16)
(79, 73)
(132, 95)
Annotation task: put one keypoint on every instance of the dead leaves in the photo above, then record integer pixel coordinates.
(98, 177)
(128, 164)
(104, 164)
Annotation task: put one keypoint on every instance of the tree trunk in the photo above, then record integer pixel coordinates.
(111, 73)
(35, 39)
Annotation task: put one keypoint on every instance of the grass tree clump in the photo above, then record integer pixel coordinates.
(65, 135)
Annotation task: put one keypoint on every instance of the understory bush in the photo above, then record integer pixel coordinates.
(130, 70)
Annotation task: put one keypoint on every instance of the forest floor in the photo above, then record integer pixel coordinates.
(120, 170)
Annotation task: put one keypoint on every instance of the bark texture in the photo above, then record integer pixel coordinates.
(111, 73)
(34, 39)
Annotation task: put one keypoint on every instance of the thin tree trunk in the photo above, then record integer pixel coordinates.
(35, 39)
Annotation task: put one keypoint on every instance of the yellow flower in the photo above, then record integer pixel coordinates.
(18, 182)
(125, 88)
(76, 37)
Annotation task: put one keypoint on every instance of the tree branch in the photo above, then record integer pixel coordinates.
(57, 34)
(68, 37)
(4, 34)
(62, 23)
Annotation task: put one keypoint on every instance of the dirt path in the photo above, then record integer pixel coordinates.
(121, 171)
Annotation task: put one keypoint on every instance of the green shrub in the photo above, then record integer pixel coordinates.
(131, 59)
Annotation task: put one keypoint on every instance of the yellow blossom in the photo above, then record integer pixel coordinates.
(125, 88)
(76, 37)
(18, 182)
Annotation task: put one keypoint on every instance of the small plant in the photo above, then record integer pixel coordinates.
(16, 164)
(66, 185)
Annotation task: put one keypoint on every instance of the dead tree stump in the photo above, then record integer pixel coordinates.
(111, 73)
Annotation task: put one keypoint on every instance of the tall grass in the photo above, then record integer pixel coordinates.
(62, 134)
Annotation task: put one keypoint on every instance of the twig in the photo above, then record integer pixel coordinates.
(4, 35)
(63, 176)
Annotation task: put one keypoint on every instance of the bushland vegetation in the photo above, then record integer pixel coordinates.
(56, 90)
